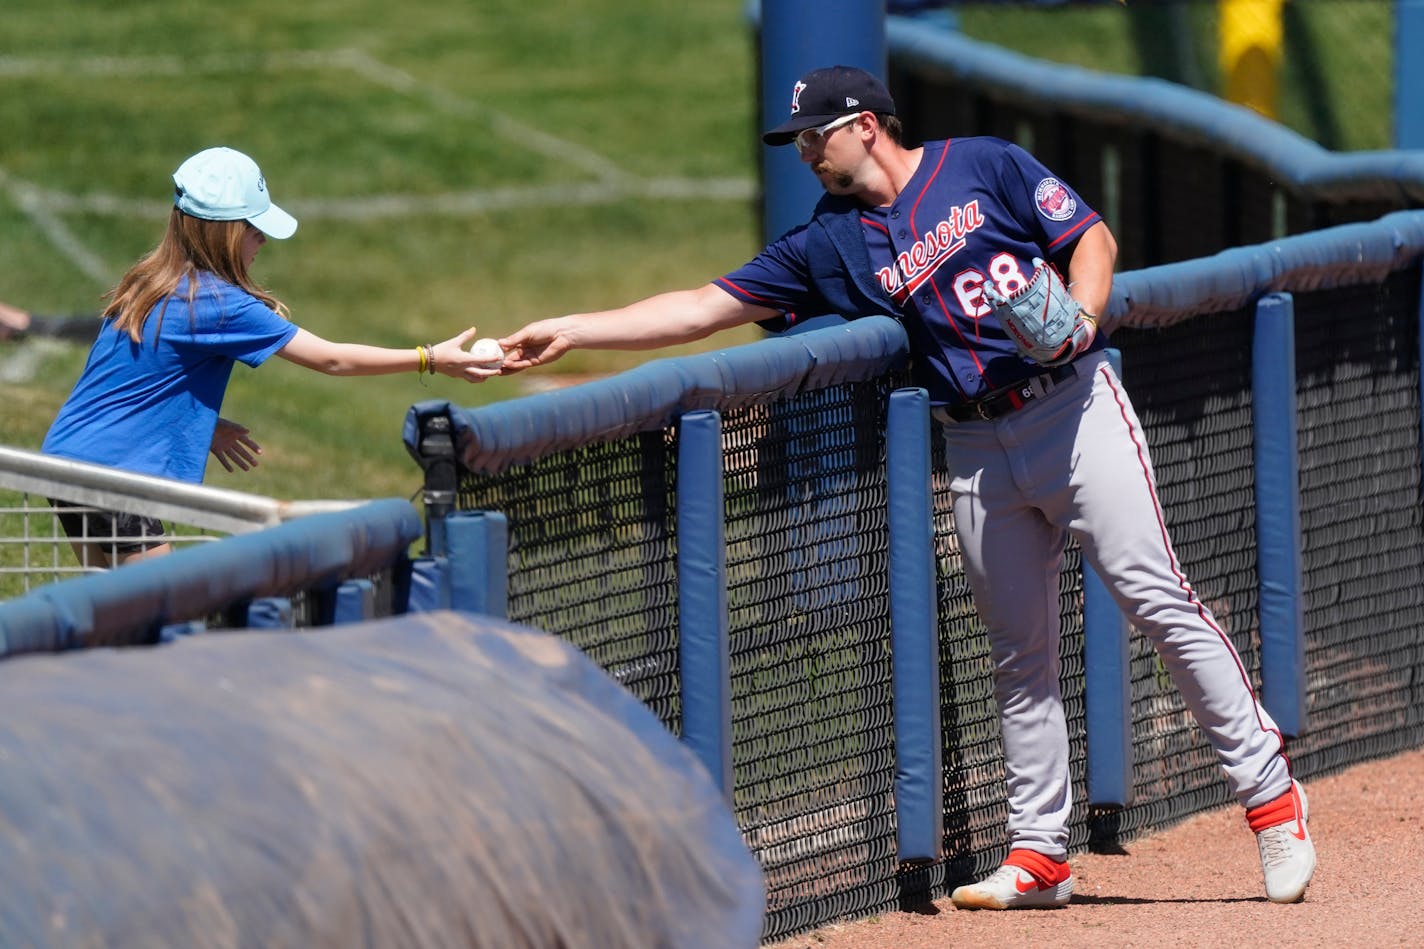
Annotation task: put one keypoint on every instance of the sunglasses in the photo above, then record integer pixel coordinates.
(808, 139)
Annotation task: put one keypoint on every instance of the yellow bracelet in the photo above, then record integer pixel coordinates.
(420, 351)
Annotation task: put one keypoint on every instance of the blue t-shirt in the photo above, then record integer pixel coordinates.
(975, 210)
(151, 407)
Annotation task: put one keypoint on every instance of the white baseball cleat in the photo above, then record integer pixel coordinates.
(1011, 887)
(1287, 852)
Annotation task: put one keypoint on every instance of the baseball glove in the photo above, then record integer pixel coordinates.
(1042, 318)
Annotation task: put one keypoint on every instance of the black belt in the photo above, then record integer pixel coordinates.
(1001, 402)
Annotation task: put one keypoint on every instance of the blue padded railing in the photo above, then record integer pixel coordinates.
(1344, 255)
(133, 604)
(655, 394)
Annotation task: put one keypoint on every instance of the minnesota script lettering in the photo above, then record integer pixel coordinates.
(916, 265)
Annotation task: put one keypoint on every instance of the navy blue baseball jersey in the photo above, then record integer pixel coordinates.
(975, 209)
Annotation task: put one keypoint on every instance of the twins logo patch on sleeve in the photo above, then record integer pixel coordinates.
(1054, 201)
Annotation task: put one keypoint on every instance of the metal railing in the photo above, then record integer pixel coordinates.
(35, 549)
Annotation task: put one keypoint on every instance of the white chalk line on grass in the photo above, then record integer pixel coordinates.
(380, 207)
(378, 73)
(356, 61)
(31, 201)
(613, 184)
(21, 362)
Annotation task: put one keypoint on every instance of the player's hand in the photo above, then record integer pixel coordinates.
(233, 446)
(453, 358)
(537, 344)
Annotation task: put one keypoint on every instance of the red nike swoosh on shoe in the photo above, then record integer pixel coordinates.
(1019, 884)
(1299, 832)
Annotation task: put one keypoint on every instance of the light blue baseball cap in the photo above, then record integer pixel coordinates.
(223, 184)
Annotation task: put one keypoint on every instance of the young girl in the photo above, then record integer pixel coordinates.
(149, 395)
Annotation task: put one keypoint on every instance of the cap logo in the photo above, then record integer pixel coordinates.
(796, 96)
(851, 103)
(261, 183)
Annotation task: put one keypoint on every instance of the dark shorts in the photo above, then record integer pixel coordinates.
(122, 533)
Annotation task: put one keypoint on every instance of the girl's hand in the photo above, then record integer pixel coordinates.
(454, 360)
(232, 446)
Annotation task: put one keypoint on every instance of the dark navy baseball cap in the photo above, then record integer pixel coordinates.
(825, 94)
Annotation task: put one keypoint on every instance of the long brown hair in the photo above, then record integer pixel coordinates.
(189, 245)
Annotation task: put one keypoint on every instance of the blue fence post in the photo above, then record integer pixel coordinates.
(1421, 371)
(355, 601)
(1107, 686)
(914, 628)
(477, 561)
(429, 583)
(1278, 513)
(271, 612)
(703, 625)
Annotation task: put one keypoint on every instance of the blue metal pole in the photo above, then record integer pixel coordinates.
(1408, 74)
(796, 37)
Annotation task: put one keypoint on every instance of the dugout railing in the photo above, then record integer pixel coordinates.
(733, 536)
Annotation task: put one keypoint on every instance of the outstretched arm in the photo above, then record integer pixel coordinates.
(667, 319)
(356, 359)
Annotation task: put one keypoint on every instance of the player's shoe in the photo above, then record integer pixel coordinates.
(1287, 852)
(1027, 880)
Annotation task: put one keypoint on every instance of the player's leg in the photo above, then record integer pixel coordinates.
(1116, 515)
(1012, 559)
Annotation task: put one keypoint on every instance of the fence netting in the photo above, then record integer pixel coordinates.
(592, 556)
(1362, 534)
(808, 590)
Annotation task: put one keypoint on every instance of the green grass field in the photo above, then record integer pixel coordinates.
(458, 163)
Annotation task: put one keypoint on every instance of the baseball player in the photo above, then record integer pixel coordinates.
(1041, 447)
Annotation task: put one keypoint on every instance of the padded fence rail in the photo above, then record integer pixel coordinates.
(588, 479)
(326, 559)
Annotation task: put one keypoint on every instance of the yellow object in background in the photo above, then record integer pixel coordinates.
(1250, 48)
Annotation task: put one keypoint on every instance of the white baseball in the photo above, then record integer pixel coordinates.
(487, 351)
